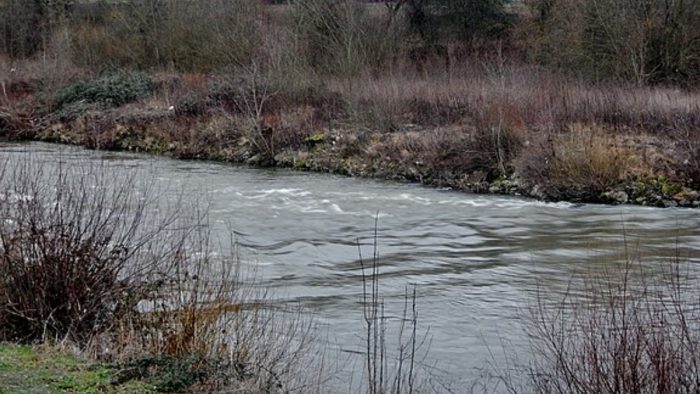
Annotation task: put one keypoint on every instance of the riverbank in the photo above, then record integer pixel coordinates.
(524, 131)
(642, 152)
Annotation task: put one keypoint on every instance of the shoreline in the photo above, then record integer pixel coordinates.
(607, 144)
(326, 152)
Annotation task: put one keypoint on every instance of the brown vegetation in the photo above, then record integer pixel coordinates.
(591, 101)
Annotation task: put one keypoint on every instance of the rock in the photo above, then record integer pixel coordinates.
(538, 192)
(618, 197)
(414, 173)
(686, 194)
(655, 200)
(503, 186)
(669, 203)
(253, 160)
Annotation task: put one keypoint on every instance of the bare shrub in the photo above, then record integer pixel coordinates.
(390, 370)
(70, 244)
(643, 42)
(27, 85)
(250, 95)
(26, 25)
(628, 331)
(342, 37)
(212, 315)
(15, 123)
(467, 21)
(95, 259)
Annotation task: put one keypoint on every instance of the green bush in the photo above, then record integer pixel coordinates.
(112, 90)
(462, 20)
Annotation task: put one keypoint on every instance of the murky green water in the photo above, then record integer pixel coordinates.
(477, 260)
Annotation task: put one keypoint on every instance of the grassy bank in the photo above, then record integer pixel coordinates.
(42, 369)
(519, 100)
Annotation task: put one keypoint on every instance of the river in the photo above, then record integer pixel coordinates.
(477, 260)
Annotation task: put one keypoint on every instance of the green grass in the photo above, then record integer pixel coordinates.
(29, 369)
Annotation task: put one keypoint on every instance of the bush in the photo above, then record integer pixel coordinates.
(191, 104)
(73, 249)
(112, 90)
(633, 332)
(25, 26)
(341, 37)
(461, 20)
(578, 165)
(92, 258)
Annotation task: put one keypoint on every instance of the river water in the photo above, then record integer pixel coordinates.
(477, 261)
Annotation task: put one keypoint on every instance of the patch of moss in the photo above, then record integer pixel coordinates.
(315, 139)
(154, 145)
(666, 186)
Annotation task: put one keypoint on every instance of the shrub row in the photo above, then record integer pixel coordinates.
(645, 42)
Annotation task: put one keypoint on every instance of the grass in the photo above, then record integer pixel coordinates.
(44, 369)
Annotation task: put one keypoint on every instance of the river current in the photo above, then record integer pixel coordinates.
(477, 261)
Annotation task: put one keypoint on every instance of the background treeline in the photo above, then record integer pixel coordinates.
(643, 41)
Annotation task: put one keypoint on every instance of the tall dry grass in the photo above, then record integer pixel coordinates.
(526, 96)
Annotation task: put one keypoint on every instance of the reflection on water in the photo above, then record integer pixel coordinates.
(476, 259)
